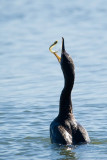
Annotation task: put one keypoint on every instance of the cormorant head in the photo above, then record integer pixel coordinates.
(66, 63)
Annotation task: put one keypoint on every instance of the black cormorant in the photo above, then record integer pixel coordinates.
(64, 129)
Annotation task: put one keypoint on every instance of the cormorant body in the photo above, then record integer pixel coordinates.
(64, 129)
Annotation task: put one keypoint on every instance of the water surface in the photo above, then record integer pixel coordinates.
(31, 79)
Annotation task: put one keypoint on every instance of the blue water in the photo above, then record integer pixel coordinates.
(31, 79)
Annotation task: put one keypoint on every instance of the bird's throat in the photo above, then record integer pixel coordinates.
(65, 108)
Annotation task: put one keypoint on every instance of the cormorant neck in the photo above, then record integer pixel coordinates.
(65, 109)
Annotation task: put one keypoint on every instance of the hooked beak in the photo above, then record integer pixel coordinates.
(54, 52)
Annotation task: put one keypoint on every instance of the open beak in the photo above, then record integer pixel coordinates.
(54, 52)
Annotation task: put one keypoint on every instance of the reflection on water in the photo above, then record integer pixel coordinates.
(31, 79)
(98, 142)
(67, 154)
(64, 152)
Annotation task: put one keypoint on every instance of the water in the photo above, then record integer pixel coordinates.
(31, 79)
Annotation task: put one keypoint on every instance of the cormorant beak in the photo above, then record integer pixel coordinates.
(54, 52)
(63, 46)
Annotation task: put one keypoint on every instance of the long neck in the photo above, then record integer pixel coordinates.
(65, 108)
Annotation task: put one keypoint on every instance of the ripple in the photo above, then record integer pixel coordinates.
(31, 80)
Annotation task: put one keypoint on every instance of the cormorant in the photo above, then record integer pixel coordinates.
(64, 129)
